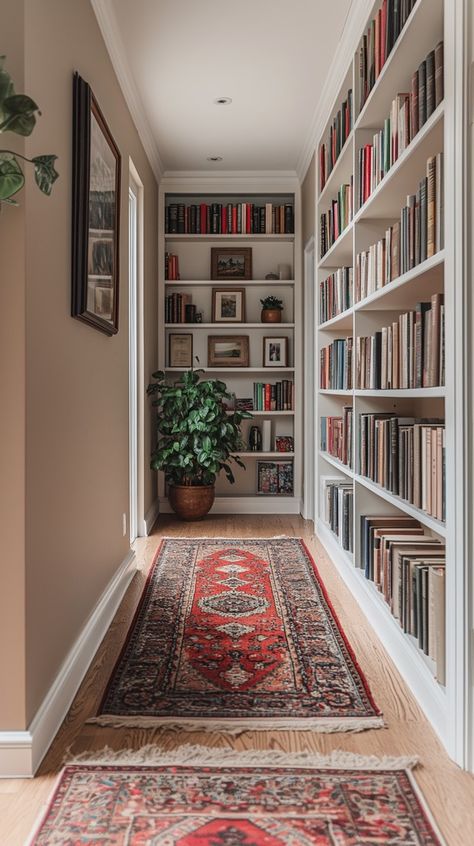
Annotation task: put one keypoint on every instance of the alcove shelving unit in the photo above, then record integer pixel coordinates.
(430, 22)
(268, 251)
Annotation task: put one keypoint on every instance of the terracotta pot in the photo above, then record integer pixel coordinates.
(191, 502)
(271, 315)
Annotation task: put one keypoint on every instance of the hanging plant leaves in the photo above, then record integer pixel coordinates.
(45, 172)
(11, 176)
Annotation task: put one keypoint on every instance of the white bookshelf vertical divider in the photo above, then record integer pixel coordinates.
(430, 21)
(268, 251)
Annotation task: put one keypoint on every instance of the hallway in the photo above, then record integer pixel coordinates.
(448, 791)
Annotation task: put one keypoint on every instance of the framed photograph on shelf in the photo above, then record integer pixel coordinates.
(228, 264)
(228, 351)
(275, 352)
(228, 305)
(180, 350)
(95, 214)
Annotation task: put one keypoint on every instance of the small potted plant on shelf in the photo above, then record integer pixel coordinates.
(197, 436)
(272, 308)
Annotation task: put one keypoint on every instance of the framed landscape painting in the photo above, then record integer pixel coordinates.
(95, 214)
(229, 264)
(228, 351)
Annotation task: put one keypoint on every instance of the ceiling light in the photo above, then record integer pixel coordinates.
(223, 101)
(214, 159)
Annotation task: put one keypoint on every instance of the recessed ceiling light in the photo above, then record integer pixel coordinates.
(215, 159)
(223, 101)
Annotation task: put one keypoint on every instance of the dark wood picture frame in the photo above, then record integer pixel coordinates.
(231, 273)
(95, 295)
(214, 360)
(217, 316)
(181, 339)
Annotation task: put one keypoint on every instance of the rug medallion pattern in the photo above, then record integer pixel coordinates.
(237, 630)
(230, 806)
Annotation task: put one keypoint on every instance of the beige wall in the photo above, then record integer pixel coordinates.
(76, 378)
(12, 416)
(308, 201)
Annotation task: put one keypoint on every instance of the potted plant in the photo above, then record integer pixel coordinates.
(17, 114)
(272, 308)
(197, 436)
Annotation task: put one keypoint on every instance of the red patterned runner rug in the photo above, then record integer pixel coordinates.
(236, 634)
(216, 797)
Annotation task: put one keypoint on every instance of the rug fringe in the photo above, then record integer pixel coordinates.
(326, 725)
(217, 756)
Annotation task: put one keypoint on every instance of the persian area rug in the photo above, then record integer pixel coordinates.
(217, 797)
(233, 635)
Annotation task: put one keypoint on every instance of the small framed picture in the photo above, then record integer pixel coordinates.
(228, 264)
(275, 352)
(228, 306)
(180, 350)
(228, 351)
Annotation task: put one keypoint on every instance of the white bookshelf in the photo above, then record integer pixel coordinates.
(429, 22)
(194, 252)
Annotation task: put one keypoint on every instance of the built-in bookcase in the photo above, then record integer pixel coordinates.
(348, 315)
(275, 244)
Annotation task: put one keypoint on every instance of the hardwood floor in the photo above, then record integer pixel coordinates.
(448, 790)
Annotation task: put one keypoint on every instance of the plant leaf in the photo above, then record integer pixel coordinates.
(20, 104)
(11, 176)
(20, 124)
(45, 172)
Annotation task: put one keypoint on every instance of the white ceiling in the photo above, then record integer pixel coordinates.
(271, 56)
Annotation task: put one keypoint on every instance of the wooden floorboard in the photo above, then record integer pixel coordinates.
(448, 790)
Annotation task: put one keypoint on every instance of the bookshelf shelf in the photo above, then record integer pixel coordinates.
(402, 178)
(232, 238)
(341, 251)
(230, 370)
(341, 171)
(435, 465)
(243, 283)
(265, 455)
(268, 327)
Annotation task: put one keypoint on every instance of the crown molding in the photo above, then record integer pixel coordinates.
(357, 16)
(230, 174)
(108, 26)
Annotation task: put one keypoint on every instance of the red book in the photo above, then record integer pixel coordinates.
(234, 220)
(268, 397)
(224, 219)
(249, 217)
(377, 43)
(322, 171)
(203, 209)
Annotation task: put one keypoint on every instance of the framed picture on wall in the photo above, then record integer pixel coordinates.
(95, 214)
(228, 305)
(180, 349)
(275, 352)
(229, 264)
(228, 351)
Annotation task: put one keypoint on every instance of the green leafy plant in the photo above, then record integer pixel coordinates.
(272, 302)
(196, 432)
(18, 115)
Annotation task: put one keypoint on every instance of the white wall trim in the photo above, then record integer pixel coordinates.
(150, 518)
(247, 505)
(310, 320)
(21, 752)
(107, 21)
(355, 22)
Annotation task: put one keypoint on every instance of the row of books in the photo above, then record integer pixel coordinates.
(408, 114)
(378, 43)
(337, 218)
(408, 568)
(406, 456)
(275, 478)
(171, 267)
(336, 436)
(336, 293)
(408, 354)
(339, 132)
(336, 365)
(229, 219)
(417, 236)
(338, 510)
(279, 396)
(179, 308)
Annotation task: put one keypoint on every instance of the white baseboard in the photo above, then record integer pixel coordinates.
(21, 752)
(247, 505)
(150, 518)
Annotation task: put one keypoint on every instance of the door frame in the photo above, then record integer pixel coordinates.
(137, 527)
(309, 413)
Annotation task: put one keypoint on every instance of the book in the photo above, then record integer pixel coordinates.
(243, 218)
(439, 73)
